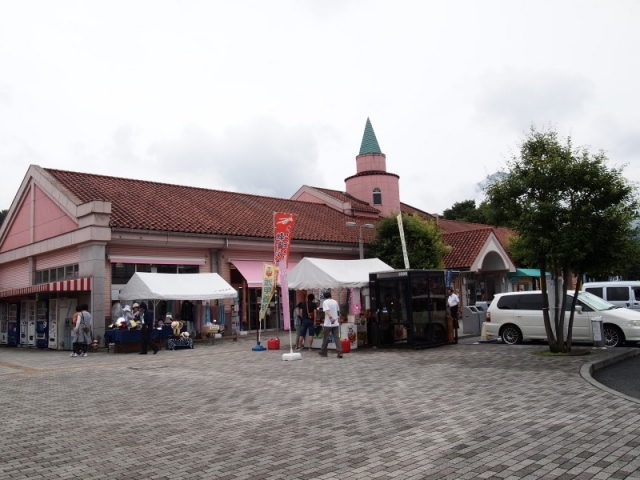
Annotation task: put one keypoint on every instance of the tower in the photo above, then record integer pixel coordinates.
(372, 183)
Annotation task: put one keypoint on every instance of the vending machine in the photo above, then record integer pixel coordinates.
(23, 323)
(28, 323)
(66, 309)
(13, 331)
(4, 323)
(53, 324)
(31, 326)
(42, 328)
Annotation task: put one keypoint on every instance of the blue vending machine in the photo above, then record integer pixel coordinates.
(42, 329)
(4, 323)
(13, 324)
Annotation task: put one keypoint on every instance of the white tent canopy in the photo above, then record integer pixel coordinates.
(326, 273)
(171, 286)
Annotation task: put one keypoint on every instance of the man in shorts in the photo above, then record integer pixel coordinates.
(308, 320)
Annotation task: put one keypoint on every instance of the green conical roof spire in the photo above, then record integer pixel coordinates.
(369, 140)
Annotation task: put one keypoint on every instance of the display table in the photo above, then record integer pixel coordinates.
(127, 341)
(179, 342)
(347, 330)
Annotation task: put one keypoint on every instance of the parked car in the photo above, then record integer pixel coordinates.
(625, 294)
(517, 316)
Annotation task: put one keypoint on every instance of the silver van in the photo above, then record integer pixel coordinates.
(625, 294)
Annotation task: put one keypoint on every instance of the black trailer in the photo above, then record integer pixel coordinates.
(409, 309)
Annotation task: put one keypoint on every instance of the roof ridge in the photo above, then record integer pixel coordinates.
(98, 175)
(345, 194)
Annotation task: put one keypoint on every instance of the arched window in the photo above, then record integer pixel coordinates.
(377, 196)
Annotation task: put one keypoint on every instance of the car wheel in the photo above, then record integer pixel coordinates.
(511, 335)
(613, 336)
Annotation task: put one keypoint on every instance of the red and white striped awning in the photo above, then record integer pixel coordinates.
(76, 285)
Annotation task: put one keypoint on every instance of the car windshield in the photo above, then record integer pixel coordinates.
(595, 302)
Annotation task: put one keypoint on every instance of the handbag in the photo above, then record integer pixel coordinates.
(85, 328)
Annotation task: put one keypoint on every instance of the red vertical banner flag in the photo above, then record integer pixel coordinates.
(283, 226)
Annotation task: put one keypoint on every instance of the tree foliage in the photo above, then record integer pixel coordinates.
(3, 215)
(423, 238)
(572, 214)
(466, 211)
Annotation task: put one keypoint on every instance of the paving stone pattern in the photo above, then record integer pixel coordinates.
(227, 412)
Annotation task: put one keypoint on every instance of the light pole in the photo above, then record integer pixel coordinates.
(360, 227)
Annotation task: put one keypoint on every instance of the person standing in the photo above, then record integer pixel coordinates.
(147, 326)
(453, 301)
(76, 352)
(308, 320)
(331, 325)
(84, 327)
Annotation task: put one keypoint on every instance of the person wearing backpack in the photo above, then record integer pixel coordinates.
(308, 321)
(297, 318)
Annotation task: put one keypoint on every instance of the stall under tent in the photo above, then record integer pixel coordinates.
(187, 288)
(323, 273)
(349, 275)
(170, 286)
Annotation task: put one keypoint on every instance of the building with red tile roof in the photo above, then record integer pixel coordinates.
(85, 234)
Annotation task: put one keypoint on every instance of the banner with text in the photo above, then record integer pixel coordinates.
(283, 225)
(269, 277)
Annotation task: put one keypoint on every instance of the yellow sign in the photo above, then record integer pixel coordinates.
(269, 281)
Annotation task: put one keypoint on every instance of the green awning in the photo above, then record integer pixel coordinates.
(526, 272)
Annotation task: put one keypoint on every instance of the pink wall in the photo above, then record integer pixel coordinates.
(58, 258)
(376, 162)
(19, 233)
(307, 197)
(362, 188)
(50, 221)
(14, 275)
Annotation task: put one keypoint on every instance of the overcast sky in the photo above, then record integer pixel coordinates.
(265, 96)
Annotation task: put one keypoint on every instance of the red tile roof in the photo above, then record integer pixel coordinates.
(465, 247)
(452, 226)
(408, 209)
(144, 205)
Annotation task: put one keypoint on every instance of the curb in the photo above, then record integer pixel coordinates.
(588, 368)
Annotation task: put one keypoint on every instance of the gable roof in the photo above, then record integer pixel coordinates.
(145, 205)
(465, 247)
(356, 204)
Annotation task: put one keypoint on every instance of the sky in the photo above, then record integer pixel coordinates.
(263, 97)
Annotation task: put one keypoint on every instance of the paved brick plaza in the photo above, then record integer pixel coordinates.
(224, 411)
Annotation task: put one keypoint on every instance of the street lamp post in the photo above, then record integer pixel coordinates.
(360, 227)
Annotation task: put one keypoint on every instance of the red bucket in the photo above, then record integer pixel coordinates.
(273, 344)
(346, 345)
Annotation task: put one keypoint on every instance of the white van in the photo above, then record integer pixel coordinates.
(517, 316)
(624, 294)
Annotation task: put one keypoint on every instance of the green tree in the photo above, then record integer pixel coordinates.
(3, 215)
(572, 214)
(423, 238)
(466, 211)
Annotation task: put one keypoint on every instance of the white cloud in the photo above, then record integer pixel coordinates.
(264, 97)
(263, 157)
